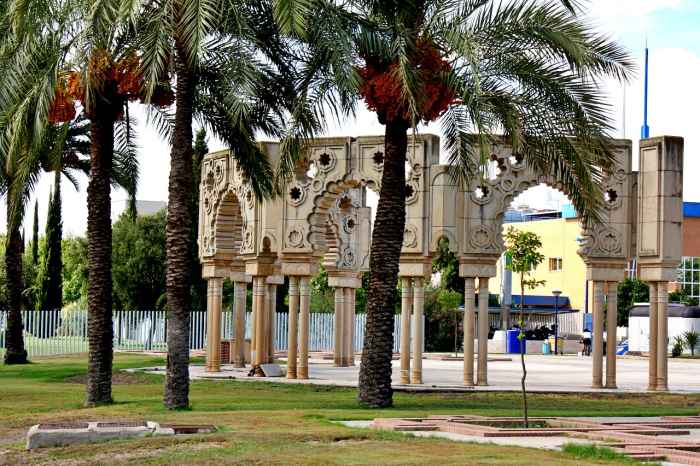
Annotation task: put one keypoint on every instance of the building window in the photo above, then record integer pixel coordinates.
(689, 276)
(555, 264)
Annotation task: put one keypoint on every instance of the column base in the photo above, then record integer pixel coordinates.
(302, 373)
(661, 387)
(612, 386)
(238, 364)
(291, 374)
(213, 369)
(481, 383)
(416, 377)
(468, 383)
(405, 379)
(596, 385)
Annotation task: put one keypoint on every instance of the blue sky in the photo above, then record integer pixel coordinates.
(673, 31)
(669, 27)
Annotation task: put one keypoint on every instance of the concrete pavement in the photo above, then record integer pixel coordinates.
(545, 374)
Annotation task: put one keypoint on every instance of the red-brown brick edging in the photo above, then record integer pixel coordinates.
(638, 438)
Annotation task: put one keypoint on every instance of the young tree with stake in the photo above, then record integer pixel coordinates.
(522, 247)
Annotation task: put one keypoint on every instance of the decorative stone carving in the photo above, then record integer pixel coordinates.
(327, 185)
(348, 258)
(412, 192)
(410, 236)
(296, 194)
(295, 237)
(482, 238)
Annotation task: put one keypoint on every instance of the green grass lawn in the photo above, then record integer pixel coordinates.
(267, 423)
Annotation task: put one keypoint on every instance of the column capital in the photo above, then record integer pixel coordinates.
(608, 271)
(476, 269)
(216, 269)
(658, 272)
(344, 280)
(260, 266)
(302, 266)
(241, 277)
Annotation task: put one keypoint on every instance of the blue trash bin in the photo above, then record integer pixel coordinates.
(512, 342)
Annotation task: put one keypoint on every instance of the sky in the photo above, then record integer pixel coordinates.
(671, 27)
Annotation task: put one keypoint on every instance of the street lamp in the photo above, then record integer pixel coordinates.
(556, 294)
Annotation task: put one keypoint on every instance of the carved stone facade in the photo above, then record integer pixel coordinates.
(322, 216)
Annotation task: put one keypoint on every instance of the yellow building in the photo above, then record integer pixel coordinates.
(562, 268)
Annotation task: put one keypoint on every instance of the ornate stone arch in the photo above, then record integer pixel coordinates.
(229, 225)
(487, 200)
(220, 219)
(325, 208)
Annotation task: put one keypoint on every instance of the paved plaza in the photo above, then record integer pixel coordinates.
(545, 374)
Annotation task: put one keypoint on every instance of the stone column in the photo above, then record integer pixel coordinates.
(265, 356)
(253, 325)
(214, 294)
(611, 359)
(405, 340)
(418, 300)
(239, 301)
(338, 331)
(303, 370)
(292, 329)
(272, 290)
(598, 328)
(347, 326)
(482, 366)
(653, 332)
(662, 337)
(468, 326)
(351, 326)
(259, 306)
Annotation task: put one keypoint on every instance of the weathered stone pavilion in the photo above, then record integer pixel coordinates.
(323, 218)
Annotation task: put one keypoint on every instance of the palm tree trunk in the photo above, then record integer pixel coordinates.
(99, 235)
(14, 338)
(178, 275)
(387, 238)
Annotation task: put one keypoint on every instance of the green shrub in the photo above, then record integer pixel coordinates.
(691, 340)
(678, 345)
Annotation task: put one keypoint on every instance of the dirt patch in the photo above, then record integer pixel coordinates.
(118, 378)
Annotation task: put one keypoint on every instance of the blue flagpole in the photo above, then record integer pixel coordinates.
(645, 126)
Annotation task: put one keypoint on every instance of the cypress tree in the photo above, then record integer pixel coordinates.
(35, 234)
(52, 283)
(199, 286)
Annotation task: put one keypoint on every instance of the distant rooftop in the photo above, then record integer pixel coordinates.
(526, 214)
(516, 215)
(142, 207)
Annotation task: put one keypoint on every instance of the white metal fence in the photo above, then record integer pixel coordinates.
(64, 332)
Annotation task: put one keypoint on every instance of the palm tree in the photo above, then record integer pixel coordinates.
(64, 151)
(229, 67)
(529, 70)
(23, 155)
(59, 53)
